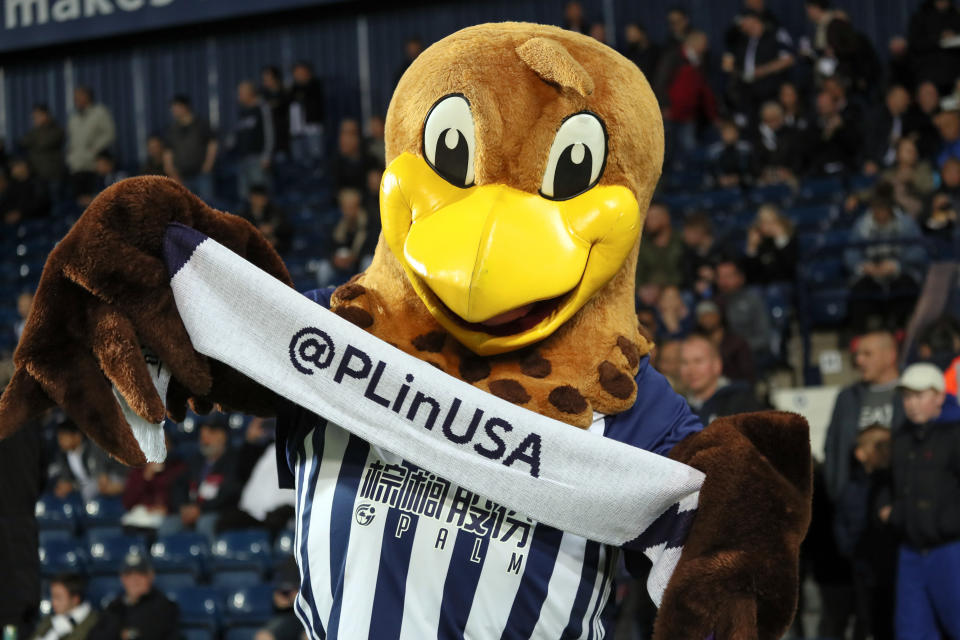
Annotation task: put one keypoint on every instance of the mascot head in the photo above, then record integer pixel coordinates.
(520, 163)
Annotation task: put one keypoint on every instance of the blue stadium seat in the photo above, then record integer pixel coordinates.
(107, 553)
(196, 634)
(46, 535)
(241, 633)
(771, 193)
(224, 578)
(721, 199)
(250, 605)
(241, 551)
(811, 217)
(822, 272)
(172, 581)
(283, 545)
(58, 556)
(56, 513)
(101, 512)
(828, 307)
(821, 190)
(199, 606)
(180, 553)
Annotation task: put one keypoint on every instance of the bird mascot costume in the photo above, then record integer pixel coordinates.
(472, 425)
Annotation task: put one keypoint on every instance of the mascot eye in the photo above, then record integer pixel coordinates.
(577, 157)
(448, 142)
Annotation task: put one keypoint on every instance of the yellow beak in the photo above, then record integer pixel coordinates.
(479, 253)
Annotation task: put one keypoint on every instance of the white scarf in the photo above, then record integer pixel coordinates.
(564, 477)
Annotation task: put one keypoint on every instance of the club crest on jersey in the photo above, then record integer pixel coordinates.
(311, 350)
(365, 514)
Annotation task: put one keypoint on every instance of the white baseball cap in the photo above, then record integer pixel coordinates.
(922, 376)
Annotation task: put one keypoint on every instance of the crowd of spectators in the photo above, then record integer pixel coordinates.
(762, 108)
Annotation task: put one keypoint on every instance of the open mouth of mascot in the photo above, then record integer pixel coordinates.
(499, 267)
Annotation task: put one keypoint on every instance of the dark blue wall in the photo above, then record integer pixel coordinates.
(136, 78)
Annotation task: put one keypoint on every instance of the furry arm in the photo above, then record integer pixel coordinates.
(103, 293)
(737, 577)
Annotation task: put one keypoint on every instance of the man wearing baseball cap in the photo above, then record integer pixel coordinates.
(141, 612)
(926, 507)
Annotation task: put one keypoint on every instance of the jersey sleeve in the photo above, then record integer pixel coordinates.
(292, 419)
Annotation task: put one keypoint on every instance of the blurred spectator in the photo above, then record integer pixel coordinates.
(872, 400)
(412, 48)
(863, 538)
(107, 172)
(771, 251)
(701, 254)
(661, 250)
(209, 485)
(757, 66)
(779, 148)
(838, 141)
(674, 320)
(269, 218)
(939, 344)
(352, 163)
(888, 271)
(924, 509)
(598, 31)
(191, 149)
(678, 26)
(573, 18)
(820, 14)
(948, 122)
(731, 158)
(945, 203)
(709, 394)
(936, 57)
(73, 618)
(744, 310)
(794, 111)
(25, 198)
(43, 144)
(641, 50)
(886, 127)
(925, 108)
(348, 239)
(853, 57)
(284, 624)
(734, 351)
(255, 140)
(79, 465)
(273, 93)
(371, 205)
(646, 313)
(142, 612)
(734, 36)
(146, 496)
(900, 65)
(376, 146)
(666, 360)
(263, 504)
(690, 98)
(24, 303)
(90, 130)
(156, 149)
(910, 177)
(307, 111)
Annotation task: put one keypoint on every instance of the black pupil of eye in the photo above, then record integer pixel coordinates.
(452, 162)
(571, 177)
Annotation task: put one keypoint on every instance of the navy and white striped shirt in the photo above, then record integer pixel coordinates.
(388, 550)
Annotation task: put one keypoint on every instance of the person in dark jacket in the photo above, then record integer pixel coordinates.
(933, 23)
(26, 197)
(22, 479)
(306, 114)
(73, 618)
(926, 507)
(277, 98)
(731, 159)
(255, 140)
(43, 144)
(640, 49)
(869, 543)
(771, 251)
(142, 612)
(709, 394)
(268, 218)
(757, 66)
(872, 400)
(208, 487)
